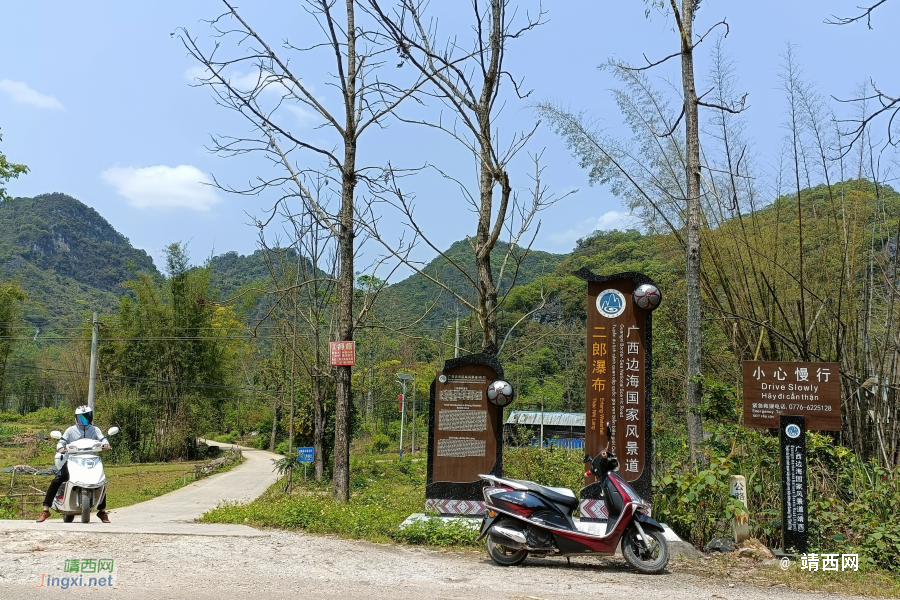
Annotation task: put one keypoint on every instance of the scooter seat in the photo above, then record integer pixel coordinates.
(561, 496)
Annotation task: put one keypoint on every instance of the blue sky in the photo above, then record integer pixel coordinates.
(95, 99)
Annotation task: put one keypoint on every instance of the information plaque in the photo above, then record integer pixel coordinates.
(465, 435)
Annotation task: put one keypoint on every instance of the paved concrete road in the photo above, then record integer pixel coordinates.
(176, 511)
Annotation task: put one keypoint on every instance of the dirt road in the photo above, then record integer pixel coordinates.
(277, 564)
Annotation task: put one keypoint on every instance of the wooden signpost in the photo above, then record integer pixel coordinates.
(465, 435)
(793, 397)
(619, 379)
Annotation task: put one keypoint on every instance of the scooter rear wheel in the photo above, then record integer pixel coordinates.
(650, 561)
(68, 518)
(85, 506)
(503, 555)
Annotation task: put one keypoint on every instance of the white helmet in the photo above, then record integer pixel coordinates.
(84, 416)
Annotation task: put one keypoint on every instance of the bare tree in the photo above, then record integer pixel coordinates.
(303, 295)
(364, 100)
(674, 196)
(886, 105)
(467, 80)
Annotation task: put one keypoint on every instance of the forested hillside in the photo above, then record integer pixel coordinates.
(406, 301)
(66, 257)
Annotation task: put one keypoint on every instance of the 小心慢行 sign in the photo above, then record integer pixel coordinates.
(810, 389)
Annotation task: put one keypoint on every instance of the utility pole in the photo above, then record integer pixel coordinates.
(403, 377)
(542, 422)
(402, 415)
(414, 419)
(95, 326)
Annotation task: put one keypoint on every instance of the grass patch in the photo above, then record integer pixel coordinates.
(383, 493)
(867, 582)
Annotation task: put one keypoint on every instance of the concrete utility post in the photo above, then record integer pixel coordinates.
(740, 524)
(95, 326)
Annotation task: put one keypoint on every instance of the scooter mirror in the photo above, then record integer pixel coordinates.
(112, 431)
(55, 435)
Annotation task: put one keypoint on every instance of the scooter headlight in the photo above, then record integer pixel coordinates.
(85, 461)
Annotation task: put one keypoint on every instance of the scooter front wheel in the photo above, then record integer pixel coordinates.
(85, 506)
(68, 518)
(650, 561)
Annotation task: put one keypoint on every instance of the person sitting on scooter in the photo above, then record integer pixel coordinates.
(83, 429)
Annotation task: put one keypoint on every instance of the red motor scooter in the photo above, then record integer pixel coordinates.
(524, 518)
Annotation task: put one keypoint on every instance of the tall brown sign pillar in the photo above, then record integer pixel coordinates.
(619, 379)
(464, 434)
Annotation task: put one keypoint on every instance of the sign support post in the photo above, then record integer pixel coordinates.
(794, 510)
(619, 380)
(792, 396)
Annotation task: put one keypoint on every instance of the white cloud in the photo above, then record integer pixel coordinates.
(244, 82)
(184, 186)
(609, 220)
(19, 91)
(304, 115)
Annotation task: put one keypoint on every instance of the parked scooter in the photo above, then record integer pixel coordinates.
(87, 482)
(526, 518)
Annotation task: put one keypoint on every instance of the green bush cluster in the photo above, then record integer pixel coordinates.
(380, 443)
(696, 502)
(438, 532)
(851, 502)
(9, 430)
(9, 417)
(7, 508)
(50, 416)
(227, 438)
(555, 467)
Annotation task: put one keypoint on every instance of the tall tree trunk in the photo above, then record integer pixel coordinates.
(319, 415)
(693, 383)
(342, 404)
(343, 399)
(274, 423)
(291, 415)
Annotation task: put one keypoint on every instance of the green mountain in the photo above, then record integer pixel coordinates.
(66, 256)
(71, 261)
(404, 301)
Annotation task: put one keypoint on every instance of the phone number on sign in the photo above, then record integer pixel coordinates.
(821, 407)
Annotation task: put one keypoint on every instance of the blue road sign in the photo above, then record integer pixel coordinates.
(306, 454)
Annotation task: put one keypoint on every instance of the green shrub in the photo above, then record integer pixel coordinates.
(7, 508)
(9, 417)
(50, 416)
(227, 438)
(380, 443)
(438, 532)
(696, 503)
(555, 467)
(9, 430)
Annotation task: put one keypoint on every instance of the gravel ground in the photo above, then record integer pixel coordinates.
(281, 564)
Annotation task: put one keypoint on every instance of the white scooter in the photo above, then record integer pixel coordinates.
(87, 481)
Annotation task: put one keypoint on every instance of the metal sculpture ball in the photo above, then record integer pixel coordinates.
(500, 393)
(647, 296)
